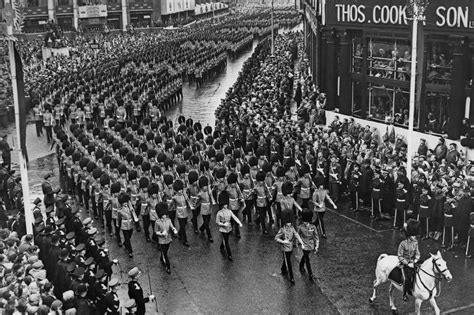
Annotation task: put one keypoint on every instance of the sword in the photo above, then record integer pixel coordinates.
(151, 292)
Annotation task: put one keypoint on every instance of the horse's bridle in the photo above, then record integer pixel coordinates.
(437, 279)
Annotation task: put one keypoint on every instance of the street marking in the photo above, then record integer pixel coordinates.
(457, 309)
(357, 222)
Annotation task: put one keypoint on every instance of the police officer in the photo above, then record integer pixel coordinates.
(111, 300)
(135, 291)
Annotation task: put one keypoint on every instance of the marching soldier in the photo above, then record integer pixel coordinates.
(126, 221)
(246, 185)
(235, 199)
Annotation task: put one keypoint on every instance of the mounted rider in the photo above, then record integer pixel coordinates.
(409, 255)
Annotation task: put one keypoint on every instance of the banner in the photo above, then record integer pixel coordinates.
(21, 102)
(441, 15)
(92, 11)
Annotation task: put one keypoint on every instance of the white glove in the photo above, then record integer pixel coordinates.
(151, 297)
(164, 233)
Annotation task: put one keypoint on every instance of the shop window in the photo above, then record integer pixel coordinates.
(439, 63)
(357, 99)
(388, 104)
(402, 101)
(32, 3)
(357, 55)
(437, 109)
(389, 58)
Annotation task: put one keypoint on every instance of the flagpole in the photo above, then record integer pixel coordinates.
(21, 159)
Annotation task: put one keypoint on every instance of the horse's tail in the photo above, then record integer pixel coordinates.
(382, 256)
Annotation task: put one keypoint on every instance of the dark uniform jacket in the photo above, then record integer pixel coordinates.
(135, 292)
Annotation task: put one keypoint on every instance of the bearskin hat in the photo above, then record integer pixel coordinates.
(146, 166)
(232, 178)
(104, 179)
(189, 131)
(107, 159)
(178, 149)
(181, 128)
(203, 181)
(237, 154)
(161, 157)
(260, 177)
(193, 177)
(223, 198)
(245, 169)
(76, 156)
(135, 143)
(211, 153)
(305, 169)
(194, 160)
(187, 155)
(280, 172)
(130, 157)
(199, 136)
(219, 156)
(90, 148)
(185, 142)
(124, 133)
(287, 188)
(196, 147)
(156, 170)
(209, 140)
(96, 173)
(102, 134)
(178, 185)
(231, 163)
(135, 126)
(220, 172)
(65, 145)
(150, 136)
(138, 160)
(151, 153)
(122, 169)
(161, 209)
(237, 143)
(113, 163)
(168, 179)
(227, 150)
(132, 174)
(141, 131)
(253, 161)
(143, 147)
(248, 148)
(115, 188)
(143, 182)
(286, 217)
(69, 151)
(181, 169)
(123, 151)
(91, 166)
(158, 139)
(123, 198)
(307, 216)
(197, 126)
(181, 119)
(168, 145)
(152, 188)
(266, 167)
(217, 144)
(207, 130)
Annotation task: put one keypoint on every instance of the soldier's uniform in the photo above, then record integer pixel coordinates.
(111, 299)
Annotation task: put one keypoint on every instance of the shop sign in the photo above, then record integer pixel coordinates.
(92, 11)
(439, 15)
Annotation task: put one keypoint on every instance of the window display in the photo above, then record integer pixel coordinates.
(439, 63)
(437, 113)
(389, 59)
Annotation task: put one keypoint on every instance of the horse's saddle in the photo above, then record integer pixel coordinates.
(396, 275)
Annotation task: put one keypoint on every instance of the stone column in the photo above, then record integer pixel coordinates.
(458, 93)
(51, 11)
(124, 15)
(363, 83)
(75, 12)
(331, 75)
(345, 101)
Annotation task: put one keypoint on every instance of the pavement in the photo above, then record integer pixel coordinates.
(202, 281)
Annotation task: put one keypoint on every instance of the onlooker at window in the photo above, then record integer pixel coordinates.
(453, 154)
(441, 150)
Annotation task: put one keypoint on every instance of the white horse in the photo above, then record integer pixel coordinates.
(427, 278)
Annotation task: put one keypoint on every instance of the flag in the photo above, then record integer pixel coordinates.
(21, 102)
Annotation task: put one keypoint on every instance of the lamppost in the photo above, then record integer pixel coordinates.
(417, 9)
(273, 47)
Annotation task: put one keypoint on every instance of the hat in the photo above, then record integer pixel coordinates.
(89, 261)
(37, 201)
(56, 304)
(64, 253)
(130, 304)
(82, 288)
(79, 271)
(100, 274)
(38, 220)
(99, 240)
(133, 272)
(68, 295)
(113, 282)
(161, 209)
(38, 265)
(307, 216)
(70, 235)
(286, 188)
(87, 221)
(80, 247)
(223, 198)
(412, 228)
(71, 267)
(92, 231)
(286, 217)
